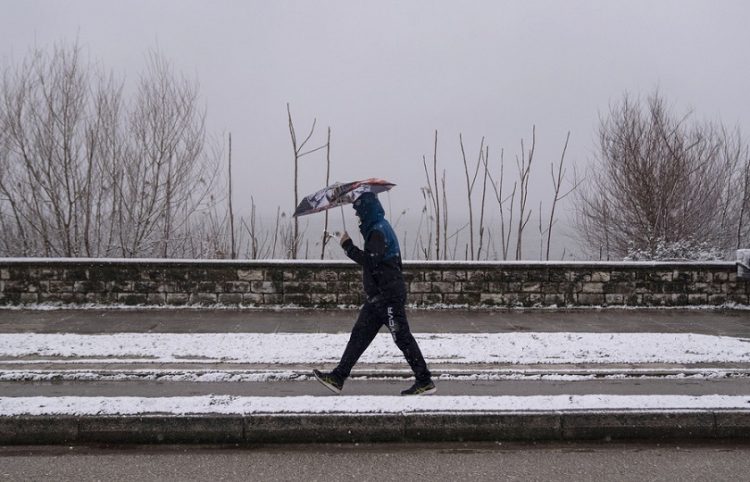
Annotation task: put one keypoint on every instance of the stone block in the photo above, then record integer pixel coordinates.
(141, 286)
(442, 287)
(614, 299)
(203, 298)
(554, 300)
(590, 299)
(475, 275)
(151, 275)
(119, 286)
(28, 298)
(132, 298)
(350, 275)
(156, 298)
(4, 274)
(250, 275)
(305, 287)
(300, 299)
(327, 275)
(536, 275)
(434, 275)
(530, 287)
(230, 298)
(218, 274)
(265, 287)
(703, 277)
(471, 286)
(600, 277)
(236, 287)
(462, 298)
(697, 299)
(454, 275)
(592, 287)
(177, 298)
(492, 287)
(268, 298)
(512, 275)
(323, 299)
(348, 299)
(432, 298)
(420, 287)
(340, 286)
(721, 276)
(492, 299)
(260, 299)
(718, 299)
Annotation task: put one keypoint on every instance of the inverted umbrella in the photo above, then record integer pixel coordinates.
(339, 194)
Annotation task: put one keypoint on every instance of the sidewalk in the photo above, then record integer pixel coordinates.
(243, 376)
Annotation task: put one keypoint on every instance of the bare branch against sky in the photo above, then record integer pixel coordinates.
(386, 75)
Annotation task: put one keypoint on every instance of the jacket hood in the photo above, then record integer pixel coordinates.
(369, 211)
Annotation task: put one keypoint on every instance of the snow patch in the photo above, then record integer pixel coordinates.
(226, 404)
(307, 349)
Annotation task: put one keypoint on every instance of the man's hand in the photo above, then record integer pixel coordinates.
(344, 238)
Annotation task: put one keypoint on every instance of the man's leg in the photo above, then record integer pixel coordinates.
(363, 332)
(395, 316)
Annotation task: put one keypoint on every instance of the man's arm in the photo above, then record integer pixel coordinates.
(373, 254)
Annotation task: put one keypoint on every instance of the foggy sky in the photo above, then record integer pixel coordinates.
(385, 74)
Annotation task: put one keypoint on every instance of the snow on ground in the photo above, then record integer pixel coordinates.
(297, 348)
(289, 376)
(224, 404)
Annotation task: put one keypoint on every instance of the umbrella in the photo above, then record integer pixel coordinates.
(339, 194)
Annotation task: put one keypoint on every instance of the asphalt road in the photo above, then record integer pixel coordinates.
(709, 322)
(397, 462)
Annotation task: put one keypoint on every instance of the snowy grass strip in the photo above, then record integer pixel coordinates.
(296, 348)
(221, 376)
(223, 404)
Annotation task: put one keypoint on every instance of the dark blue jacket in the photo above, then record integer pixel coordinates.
(381, 259)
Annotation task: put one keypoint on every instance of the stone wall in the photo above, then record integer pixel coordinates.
(333, 283)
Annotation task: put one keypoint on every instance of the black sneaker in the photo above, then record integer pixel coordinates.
(331, 381)
(421, 388)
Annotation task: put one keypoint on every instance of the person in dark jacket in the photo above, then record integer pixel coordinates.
(386, 298)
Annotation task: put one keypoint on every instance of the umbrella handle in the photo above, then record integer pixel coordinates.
(343, 220)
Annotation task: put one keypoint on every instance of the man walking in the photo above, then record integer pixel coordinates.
(386, 298)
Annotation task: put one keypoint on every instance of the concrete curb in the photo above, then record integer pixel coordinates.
(332, 428)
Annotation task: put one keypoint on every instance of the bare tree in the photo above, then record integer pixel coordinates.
(87, 173)
(470, 187)
(299, 152)
(324, 241)
(229, 198)
(658, 178)
(497, 187)
(524, 172)
(556, 185)
(433, 194)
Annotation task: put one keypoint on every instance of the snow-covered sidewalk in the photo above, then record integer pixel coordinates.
(223, 404)
(444, 348)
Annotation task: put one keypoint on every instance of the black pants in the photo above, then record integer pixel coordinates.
(372, 316)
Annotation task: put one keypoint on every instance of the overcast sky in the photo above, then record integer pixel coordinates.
(385, 74)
